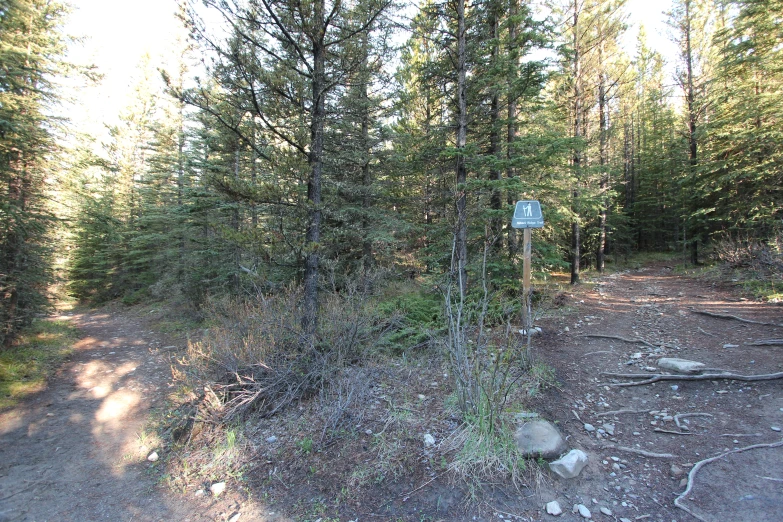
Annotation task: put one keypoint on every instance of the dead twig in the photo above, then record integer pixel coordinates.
(736, 435)
(770, 478)
(728, 316)
(766, 342)
(683, 415)
(651, 378)
(618, 412)
(707, 333)
(672, 432)
(601, 351)
(617, 338)
(409, 493)
(640, 452)
(702, 463)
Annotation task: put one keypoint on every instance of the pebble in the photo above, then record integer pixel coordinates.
(217, 488)
(683, 483)
(271, 439)
(775, 428)
(235, 517)
(606, 511)
(368, 432)
(429, 440)
(589, 427)
(553, 508)
(584, 511)
(153, 457)
(676, 471)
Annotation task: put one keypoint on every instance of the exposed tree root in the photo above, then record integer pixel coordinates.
(766, 342)
(651, 378)
(639, 452)
(617, 338)
(671, 432)
(727, 316)
(702, 463)
(618, 412)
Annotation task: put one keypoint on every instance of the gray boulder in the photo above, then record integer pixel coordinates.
(571, 465)
(539, 438)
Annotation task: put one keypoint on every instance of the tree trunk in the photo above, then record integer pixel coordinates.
(577, 158)
(496, 202)
(511, 134)
(461, 142)
(313, 236)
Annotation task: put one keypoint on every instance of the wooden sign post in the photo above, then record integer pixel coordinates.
(527, 215)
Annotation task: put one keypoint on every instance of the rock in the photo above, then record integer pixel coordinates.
(234, 517)
(676, 471)
(429, 440)
(271, 440)
(539, 438)
(570, 465)
(606, 511)
(683, 482)
(584, 511)
(589, 428)
(679, 365)
(553, 508)
(608, 428)
(217, 488)
(200, 493)
(153, 457)
(775, 428)
(625, 519)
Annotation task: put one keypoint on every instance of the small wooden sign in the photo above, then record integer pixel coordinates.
(527, 214)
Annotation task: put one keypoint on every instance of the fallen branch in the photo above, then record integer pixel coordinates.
(707, 333)
(702, 463)
(649, 379)
(727, 316)
(672, 432)
(617, 338)
(735, 435)
(766, 342)
(601, 351)
(683, 415)
(640, 452)
(618, 412)
(770, 478)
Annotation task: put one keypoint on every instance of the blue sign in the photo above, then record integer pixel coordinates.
(527, 214)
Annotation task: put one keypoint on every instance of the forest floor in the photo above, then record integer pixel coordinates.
(79, 449)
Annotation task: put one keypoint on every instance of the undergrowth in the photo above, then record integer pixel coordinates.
(36, 354)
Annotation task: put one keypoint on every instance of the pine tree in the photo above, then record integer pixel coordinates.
(31, 47)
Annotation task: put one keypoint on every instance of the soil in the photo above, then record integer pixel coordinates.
(78, 450)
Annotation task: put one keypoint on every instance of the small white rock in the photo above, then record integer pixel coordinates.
(217, 488)
(429, 440)
(553, 508)
(589, 427)
(235, 517)
(368, 432)
(153, 457)
(271, 440)
(606, 511)
(775, 428)
(200, 493)
(584, 511)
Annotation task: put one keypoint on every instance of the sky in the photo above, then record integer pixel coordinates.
(118, 33)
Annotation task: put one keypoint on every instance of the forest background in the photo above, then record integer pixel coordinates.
(333, 148)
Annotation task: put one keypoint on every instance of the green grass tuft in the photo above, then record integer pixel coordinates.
(39, 351)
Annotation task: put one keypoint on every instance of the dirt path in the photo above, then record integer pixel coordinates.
(78, 450)
(661, 307)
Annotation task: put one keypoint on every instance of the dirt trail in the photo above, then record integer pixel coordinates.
(662, 307)
(78, 450)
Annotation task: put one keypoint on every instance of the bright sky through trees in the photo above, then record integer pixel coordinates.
(118, 34)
